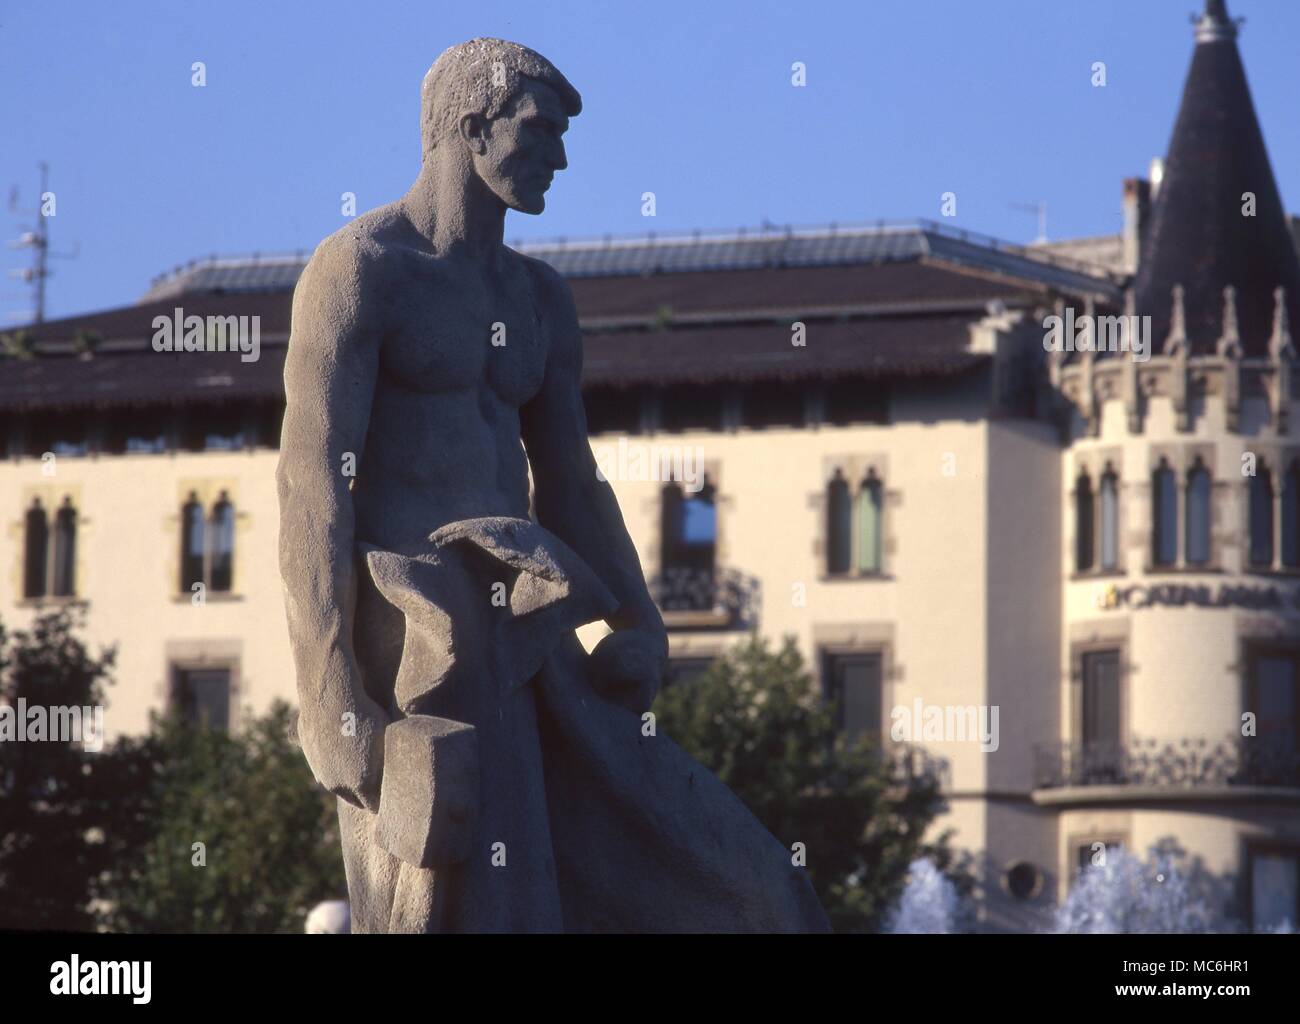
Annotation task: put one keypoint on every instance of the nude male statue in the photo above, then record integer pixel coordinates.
(431, 607)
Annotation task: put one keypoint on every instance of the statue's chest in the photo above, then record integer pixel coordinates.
(457, 342)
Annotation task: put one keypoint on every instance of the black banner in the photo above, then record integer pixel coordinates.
(377, 974)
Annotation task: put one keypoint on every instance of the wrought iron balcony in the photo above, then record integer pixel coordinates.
(1184, 764)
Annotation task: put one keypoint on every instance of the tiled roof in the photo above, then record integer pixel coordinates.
(884, 301)
(891, 346)
(888, 346)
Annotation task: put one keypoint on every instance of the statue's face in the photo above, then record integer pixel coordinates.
(524, 148)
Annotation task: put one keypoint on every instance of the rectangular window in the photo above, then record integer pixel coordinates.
(1101, 699)
(1274, 695)
(1274, 888)
(201, 696)
(853, 683)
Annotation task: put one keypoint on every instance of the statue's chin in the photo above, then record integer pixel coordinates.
(533, 206)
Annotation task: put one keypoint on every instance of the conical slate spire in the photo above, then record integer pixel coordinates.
(1200, 235)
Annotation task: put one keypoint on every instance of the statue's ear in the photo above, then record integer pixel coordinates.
(473, 131)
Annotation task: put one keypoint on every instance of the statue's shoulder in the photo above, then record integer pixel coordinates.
(358, 256)
(552, 289)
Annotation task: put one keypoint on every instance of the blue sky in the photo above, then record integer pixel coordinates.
(905, 100)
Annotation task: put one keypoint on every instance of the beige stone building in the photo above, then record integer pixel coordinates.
(870, 449)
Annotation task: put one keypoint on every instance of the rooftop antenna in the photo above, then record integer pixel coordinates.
(1039, 208)
(37, 240)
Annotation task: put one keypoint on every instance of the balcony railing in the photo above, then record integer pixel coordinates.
(1184, 764)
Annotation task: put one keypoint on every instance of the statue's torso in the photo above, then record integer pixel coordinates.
(443, 441)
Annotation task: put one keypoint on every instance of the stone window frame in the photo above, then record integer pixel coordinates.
(711, 471)
(855, 469)
(1095, 465)
(1182, 458)
(1095, 637)
(52, 497)
(188, 655)
(208, 492)
(1249, 845)
(850, 638)
(1259, 634)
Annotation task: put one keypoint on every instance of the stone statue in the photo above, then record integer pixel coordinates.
(491, 775)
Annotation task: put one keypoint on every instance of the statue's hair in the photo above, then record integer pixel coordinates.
(480, 77)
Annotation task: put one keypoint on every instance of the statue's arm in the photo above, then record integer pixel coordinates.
(577, 506)
(329, 377)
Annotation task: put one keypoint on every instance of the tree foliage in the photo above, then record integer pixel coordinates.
(58, 824)
(756, 720)
(107, 839)
(242, 839)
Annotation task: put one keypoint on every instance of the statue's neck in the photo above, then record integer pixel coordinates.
(452, 208)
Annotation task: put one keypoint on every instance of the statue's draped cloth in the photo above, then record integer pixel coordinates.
(584, 824)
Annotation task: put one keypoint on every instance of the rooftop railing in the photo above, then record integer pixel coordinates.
(766, 233)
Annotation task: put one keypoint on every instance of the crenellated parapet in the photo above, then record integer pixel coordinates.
(1087, 379)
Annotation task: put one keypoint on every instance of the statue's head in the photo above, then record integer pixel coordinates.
(508, 107)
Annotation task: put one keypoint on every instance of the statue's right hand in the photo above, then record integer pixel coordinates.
(346, 751)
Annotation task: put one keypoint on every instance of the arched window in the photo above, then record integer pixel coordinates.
(1261, 518)
(1164, 515)
(1083, 523)
(1198, 515)
(1291, 517)
(869, 506)
(65, 550)
(839, 515)
(36, 544)
(1109, 519)
(223, 544)
(192, 543)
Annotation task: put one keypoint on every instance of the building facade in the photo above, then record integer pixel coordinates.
(1081, 567)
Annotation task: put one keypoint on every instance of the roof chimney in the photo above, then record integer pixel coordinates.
(1137, 207)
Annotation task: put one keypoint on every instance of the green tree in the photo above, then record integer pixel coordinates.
(242, 838)
(755, 719)
(57, 831)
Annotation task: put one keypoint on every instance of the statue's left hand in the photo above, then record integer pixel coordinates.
(628, 667)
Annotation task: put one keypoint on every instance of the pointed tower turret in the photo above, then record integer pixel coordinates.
(1202, 233)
